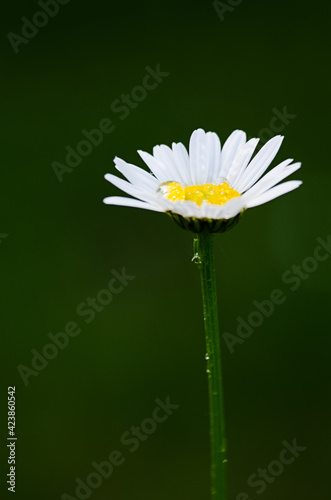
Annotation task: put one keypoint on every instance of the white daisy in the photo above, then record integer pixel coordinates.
(209, 182)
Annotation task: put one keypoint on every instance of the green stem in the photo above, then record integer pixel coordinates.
(204, 257)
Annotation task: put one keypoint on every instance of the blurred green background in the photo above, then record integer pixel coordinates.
(148, 343)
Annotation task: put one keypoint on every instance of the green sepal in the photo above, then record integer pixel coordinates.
(198, 226)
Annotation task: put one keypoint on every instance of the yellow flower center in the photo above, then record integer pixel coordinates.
(216, 195)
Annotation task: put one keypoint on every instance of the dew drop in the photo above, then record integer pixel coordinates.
(164, 187)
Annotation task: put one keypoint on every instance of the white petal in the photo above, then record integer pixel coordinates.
(229, 150)
(184, 208)
(166, 156)
(198, 156)
(182, 162)
(240, 161)
(161, 154)
(230, 209)
(155, 166)
(143, 194)
(130, 202)
(272, 178)
(274, 192)
(205, 156)
(214, 148)
(136, 175)
(259, 164)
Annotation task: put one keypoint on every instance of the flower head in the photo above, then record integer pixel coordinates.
(208, 186)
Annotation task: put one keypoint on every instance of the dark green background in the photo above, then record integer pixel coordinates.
(148, 343)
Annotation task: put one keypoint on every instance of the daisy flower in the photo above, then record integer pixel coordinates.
(208, 184)
(205, 190)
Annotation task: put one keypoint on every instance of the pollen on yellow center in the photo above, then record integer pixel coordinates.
(212, 193)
